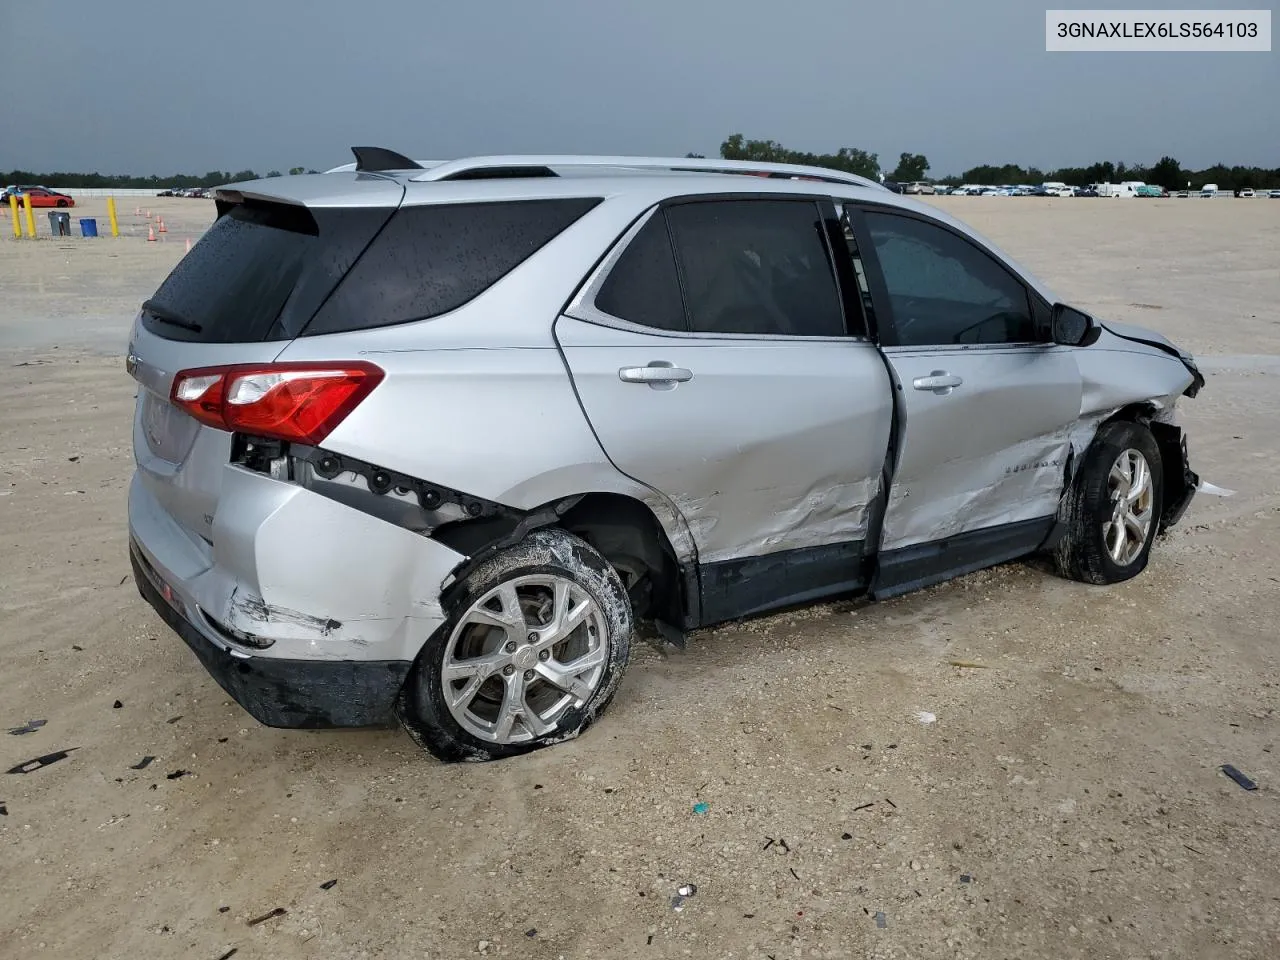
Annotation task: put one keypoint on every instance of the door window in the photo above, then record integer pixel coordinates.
(943, 289)
(756, 267)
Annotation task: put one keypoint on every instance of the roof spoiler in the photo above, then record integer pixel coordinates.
(379, 159)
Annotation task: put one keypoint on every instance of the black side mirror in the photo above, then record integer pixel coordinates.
(1072, 327)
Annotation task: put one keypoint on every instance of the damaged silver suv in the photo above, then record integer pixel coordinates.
(427, 441)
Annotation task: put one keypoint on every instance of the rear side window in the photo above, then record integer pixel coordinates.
(643, 286)
(756, 266)
(259, 273)
(434, 258)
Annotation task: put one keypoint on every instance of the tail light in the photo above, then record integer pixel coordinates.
(300, 402)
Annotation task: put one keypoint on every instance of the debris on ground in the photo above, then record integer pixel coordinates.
(846, 836)
(142, 764)
(31, 726)
(967, 664)
(966, 878)
(924, 716)
(531, 932)
(683, 893)
(328, 884)
(864, 806)
(277, 912)
(39, 762)
(229, 954)
(223, 909)
(4, 809)
(174, 719)
(117, 705)
(177, 774)
(1239, 777)
(881, 920)
(701, 807)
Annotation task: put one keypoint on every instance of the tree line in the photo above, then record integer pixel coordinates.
(106, 181)
(911, 167)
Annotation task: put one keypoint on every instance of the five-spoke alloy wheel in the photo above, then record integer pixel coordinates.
(533, 649)
(1112, 511)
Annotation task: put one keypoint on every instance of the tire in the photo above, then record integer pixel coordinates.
(504, 690)
(1087, 552)
(62, 203)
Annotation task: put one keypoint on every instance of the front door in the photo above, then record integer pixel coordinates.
(986, 405)
(712, 358)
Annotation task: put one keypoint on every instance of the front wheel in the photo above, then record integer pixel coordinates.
(62, 203)
(532, 650)
(1113, 508)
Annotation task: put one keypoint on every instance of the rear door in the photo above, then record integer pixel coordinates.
(243, 292)
(713, 359)
(987, 405)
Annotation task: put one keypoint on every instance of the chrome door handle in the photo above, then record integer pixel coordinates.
(658, 373)
(939, 381)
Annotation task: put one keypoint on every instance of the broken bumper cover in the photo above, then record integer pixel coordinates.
(283, 693)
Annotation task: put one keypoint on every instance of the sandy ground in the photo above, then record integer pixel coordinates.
(1067, 803)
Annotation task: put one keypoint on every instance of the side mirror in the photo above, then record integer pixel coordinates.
(1072, 327)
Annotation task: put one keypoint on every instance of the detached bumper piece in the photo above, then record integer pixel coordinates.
(1180, 481)
(299, 694)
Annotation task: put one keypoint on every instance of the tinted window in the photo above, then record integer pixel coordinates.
(259, 273)
(943, 289)
(433, 258)
(756, 266)
(643, 286)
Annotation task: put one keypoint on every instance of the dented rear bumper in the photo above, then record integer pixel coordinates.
(306, 694)
(309, 613)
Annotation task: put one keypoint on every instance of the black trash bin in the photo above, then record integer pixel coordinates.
(60, 223)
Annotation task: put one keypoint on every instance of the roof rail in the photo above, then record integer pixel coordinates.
(472, 167)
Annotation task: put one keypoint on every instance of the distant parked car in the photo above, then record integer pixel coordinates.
(44, 197)
(1274, 194)
(1149, 190)
(1182, 194)
(1247, 193)
(1209, 190)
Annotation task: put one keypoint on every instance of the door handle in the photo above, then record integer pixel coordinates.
(939, 381)
(659, 374)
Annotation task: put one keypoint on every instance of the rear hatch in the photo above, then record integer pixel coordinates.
(243, 292)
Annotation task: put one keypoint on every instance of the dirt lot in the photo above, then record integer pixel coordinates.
(1066, 803)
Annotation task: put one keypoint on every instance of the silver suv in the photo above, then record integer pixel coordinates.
(430, 440)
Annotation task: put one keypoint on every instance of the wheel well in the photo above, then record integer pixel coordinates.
(1134, 413)
(628, 535)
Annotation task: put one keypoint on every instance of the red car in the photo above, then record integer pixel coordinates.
(44, 197)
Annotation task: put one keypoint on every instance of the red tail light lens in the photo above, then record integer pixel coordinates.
(300, 402)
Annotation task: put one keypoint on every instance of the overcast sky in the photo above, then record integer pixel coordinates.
(144, 86)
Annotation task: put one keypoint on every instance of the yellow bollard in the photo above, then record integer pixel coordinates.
(111, 212)
(17, 220)
(31, 220)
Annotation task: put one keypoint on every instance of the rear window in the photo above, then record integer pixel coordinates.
(260, 272)
(434, 258)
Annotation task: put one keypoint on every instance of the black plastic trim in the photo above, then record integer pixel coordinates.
(923, 565)
(732, 589)
(297, 694)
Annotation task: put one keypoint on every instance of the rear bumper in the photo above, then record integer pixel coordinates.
(284, 693)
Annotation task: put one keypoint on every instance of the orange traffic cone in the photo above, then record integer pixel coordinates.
(163, 228)
(151, 234)
(148, 214)
(137, 211)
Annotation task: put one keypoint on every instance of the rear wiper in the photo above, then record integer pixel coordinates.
(169, 317)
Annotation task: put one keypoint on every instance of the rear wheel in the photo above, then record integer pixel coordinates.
(533, 649)
(1113, 508)
(62, 203)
